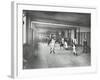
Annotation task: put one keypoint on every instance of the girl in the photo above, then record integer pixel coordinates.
(52, 45)
(62, 43)
(74, 50)
(66, 45)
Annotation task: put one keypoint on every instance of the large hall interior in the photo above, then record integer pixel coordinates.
(40, 26)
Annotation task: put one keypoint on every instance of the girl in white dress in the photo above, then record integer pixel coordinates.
(65, 45)
(74, 50)
(52, 46)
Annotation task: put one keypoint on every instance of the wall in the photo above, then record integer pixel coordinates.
(84, 29)
(85, 33)
(5, 40)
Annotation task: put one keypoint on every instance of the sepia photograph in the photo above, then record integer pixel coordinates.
(54, 39)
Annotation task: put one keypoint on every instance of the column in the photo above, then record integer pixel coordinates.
(66, 33)
(75, 33)
(72, 34)
(78, 36)
(24, 28)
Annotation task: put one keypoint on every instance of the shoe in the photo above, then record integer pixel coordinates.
(50, 52)
(53, 52)
(76, 54)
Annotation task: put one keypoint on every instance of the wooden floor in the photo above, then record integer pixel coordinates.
(62, 58)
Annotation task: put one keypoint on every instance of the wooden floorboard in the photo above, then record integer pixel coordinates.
(62, 58)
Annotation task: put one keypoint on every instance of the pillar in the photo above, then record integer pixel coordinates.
(66, 33)
(75, 33)
(78, 36)
(72, 34)
(28, 30)
(24, 28)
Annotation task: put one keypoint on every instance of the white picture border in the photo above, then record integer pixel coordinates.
(17, 52)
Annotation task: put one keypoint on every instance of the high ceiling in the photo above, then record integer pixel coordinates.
(78, 19)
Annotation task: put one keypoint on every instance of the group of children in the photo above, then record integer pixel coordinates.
(63, 44)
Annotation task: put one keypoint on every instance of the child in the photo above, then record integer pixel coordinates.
(52, 46)
(66, 45)
(74, 50)
(62, 43)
